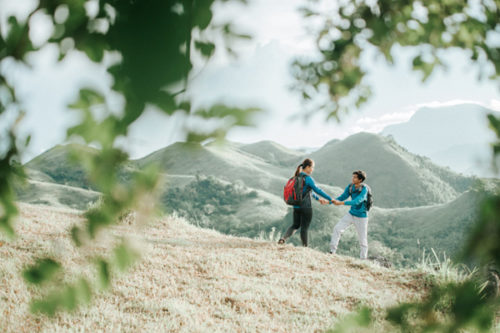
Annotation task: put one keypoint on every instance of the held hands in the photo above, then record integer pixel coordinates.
(326, 202)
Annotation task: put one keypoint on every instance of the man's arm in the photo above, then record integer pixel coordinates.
(344, 195)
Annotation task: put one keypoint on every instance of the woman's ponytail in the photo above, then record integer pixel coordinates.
(307, 162)
(298, 170)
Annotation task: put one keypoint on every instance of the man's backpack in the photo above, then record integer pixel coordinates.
(292, 193)
(369, 195)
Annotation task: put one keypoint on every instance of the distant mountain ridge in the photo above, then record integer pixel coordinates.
(456, 136)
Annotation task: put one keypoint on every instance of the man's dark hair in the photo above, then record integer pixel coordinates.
(361, 175)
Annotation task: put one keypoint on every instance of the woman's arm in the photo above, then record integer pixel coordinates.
(310, 182)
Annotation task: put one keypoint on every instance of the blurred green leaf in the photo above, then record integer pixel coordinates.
(94, 46)
(76, 236)
(87, 99)
(362, 318)
(104, 273)
(17, 42)
(124, 256)
(239, 117)
(202, 15)
(43, 270)
(206, 48)
(84, 291)
(46, 306)
(68, 297)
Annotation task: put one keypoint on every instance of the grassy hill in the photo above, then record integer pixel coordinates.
(441, 227)
(224, 162)
(55, 195)
(198, 280)
(57, 165)
(273, 153)
(37, 175)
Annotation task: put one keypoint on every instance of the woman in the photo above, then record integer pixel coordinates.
(302, 214)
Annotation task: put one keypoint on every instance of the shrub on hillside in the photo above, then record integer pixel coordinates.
(207, 201)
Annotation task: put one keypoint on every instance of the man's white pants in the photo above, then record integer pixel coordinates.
(361, 224)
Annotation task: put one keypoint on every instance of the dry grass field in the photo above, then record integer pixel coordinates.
(196, 280)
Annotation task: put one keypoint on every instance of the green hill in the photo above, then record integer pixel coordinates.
(55, 195)
(273, 153)
(227, 163)
(58, 166)
(37, 175)
(411, 230)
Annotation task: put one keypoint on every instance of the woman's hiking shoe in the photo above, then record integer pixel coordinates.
(281, 241)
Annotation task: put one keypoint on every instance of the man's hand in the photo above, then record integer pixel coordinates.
(337, 202)
(323, 201)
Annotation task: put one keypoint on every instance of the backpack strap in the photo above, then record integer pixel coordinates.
(352, 188)
(302, 180)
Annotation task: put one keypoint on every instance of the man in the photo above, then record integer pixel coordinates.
(357, 215)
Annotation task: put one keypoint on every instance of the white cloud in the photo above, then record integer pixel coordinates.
(375, 125)
(493, 104)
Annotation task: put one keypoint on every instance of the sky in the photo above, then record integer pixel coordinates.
(259, 77)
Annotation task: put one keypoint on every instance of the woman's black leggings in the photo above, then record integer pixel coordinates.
(301, 219)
